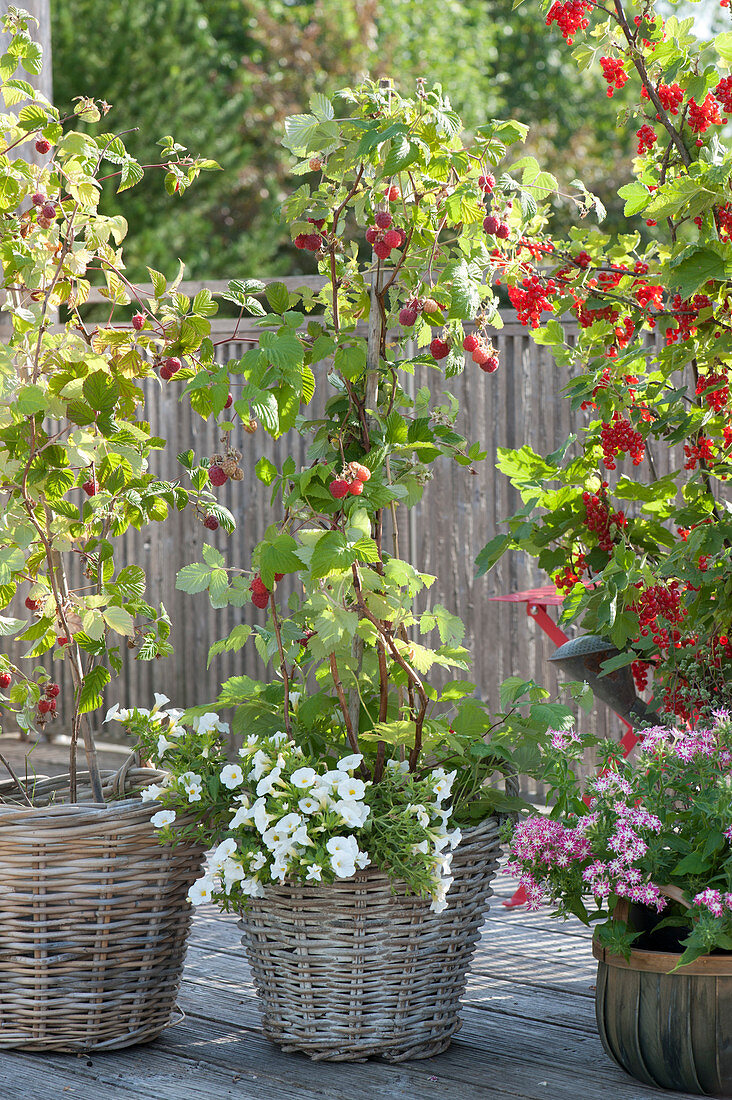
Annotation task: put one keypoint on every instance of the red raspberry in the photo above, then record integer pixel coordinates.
(138, 321)
(38, 199)
(480, 356)
(490, 365)
(393, 237)
(31, 604)
(229, 402)
(383, 219)
(211, 523)
(165, 374)
(503, 231)
(62, 639)
(42, 146)
(279, 576)
(361, 472)
(373, 234)
(216, 475)
(439, 349)
(5, 680)
(260, 593)
(301, 240)
(491, 223)
(313, 242)
(393, 193)
(382, 250)
(408, 316)
(173, 364)
(470, 343)
(486, 183)
(355, 488)
(91, 488)
(48, 210)
(52, 690)
(339, 487)
(317, 222)
(44, 705)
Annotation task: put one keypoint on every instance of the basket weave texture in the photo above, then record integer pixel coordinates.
(352, 970)
(93, 920)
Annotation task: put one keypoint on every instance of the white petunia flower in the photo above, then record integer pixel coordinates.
(420, 813)
(423, 847)
(290, 822)
(278, 738)
(353, 813)
(315, 872)
(192, 785)
(231, 776)
(398, 766)
(256, 862)
(249, 745)
(261, 817)
(267, 782)
(149, 794)
(201, 890)
(232, 872)
(278, 869)
(351, 788)
(300, 837)
(163, 745)
(362, 860)
(443, 786)
(343, 845)
(274, 837)
(455, 837)
(252, 887)
(162, 818)
(308, 805)
(208, 723)
(304, 778)
(160, 701)
(176, 731)
(114, 714)
(243, 816)
(343, 865)
(224, 851)
(332, 778)
(350, 763)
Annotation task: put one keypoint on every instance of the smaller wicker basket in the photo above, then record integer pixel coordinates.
(93, 917)
(352, 970)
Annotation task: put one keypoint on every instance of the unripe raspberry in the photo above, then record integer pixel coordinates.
(38, 199)
(229, 402)
(44, 705)
(315, 164)
(42, 146)
(44, 222)
(31, 604)
(216, 475)
(491, 224)
(229, 465)
(383, 219)
(355, 488)
(52, 690)
(480, 356)
(470, 343)
(393, 238)
(372, 234)
(260, 593)
(5, 680)
(429, 305)
(173, 364)
(48, 210)
(361, 472)
(408, 316)
(211, 523)
(238, 474)
(382, 250)
(439, 349)
(91, 487)
(138, 321)
(339, 487)
(503, 231)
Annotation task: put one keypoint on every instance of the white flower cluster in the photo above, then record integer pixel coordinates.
(299, 822)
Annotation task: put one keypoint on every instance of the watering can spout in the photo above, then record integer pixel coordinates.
(582, 659)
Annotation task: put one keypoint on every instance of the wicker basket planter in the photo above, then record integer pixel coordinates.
(353, 970)
(93, 921)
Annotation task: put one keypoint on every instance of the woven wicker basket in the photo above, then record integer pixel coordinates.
(93, 918)
(353, 970)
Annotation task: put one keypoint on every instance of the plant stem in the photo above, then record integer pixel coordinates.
(283, 665)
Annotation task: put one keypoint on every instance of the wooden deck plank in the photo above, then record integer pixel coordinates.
(528, 1034)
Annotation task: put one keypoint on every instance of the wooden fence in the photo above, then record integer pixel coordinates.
(462, 509)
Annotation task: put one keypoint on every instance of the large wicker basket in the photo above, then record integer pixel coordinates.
(93, 919)
(353, 970)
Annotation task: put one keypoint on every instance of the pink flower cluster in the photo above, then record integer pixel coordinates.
(714, 901)
(545, 844)
(686, 745)
(562, 739)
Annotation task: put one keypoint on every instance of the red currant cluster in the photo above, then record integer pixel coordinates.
(640, 674)
(686, 312)
(614, 73)
(648, 294)
(600, 520)
(646, 138)
(352, 480)
(671, 96)
(700, 452)
(723, 93)
(700, 116)
(530, 299)
(568, 577)
(480, 352)
(724, 220)
(383, 237)
(570, 16)
(620, 438)
(715, 389)
(660, 601)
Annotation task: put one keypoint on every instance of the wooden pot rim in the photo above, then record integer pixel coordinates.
(663, 962)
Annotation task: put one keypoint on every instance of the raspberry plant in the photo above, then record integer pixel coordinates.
(74, 444)
(651, 364)
(407, 223)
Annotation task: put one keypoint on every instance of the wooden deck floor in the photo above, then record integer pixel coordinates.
(528, 1032)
